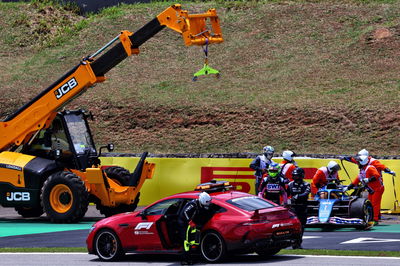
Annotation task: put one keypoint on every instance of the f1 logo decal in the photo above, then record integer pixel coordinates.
(143, 226)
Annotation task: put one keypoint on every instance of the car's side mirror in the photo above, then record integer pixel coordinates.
(143, 215)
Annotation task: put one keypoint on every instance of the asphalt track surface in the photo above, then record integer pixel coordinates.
(77, 259)
(39, 232)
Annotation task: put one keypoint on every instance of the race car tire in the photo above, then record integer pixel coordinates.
(28, 212)
(362, 208)
(64, 197)
(265, 253)
(110, 211)
(212, 247)
(108, 246)
(118, 174)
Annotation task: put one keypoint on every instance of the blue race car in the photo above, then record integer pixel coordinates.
(333, 206)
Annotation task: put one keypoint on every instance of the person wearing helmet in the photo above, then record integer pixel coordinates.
(260, 164)
(288, 164)
(324, 175)
(191, 218)
(371, 161)
(298, 192)
(371, 178)
(273, 186)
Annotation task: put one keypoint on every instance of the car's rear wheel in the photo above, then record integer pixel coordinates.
(107, 245)
(212, 247)
(266, 253)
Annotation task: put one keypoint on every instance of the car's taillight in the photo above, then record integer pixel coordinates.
(258, 220)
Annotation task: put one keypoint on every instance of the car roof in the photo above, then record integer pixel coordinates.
(222, 196)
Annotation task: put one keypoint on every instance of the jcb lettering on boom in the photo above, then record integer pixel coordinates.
(65, 88)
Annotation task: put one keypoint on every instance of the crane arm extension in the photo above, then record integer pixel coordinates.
(38, 113)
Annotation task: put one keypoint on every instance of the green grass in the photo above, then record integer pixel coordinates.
(306, 75)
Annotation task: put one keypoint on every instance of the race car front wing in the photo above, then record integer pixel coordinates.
(335, 220)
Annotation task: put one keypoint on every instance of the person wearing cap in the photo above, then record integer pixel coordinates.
(260, 164)
(371, 161)
(325, 175)
(298, 192)
(370, 178)
(288, 164)
(192, 217)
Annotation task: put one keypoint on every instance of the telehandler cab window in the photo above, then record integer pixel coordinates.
(80, 136)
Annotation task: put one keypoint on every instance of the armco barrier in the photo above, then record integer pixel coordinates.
(174, 175)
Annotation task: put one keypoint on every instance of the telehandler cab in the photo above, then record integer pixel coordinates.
(48, 160)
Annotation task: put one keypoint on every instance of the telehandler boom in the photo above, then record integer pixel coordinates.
(48, 160)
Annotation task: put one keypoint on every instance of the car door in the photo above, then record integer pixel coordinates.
(146, 230)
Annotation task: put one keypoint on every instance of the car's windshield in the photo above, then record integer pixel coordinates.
(162, 207)
(79, 134)
(250, 203)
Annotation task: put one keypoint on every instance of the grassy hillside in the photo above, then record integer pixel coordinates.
(312, 76)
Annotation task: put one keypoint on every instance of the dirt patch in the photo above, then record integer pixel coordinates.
(217, 129)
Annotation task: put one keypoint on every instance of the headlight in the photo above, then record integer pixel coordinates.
(92, 228)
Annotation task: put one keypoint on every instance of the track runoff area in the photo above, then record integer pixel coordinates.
(16, 232)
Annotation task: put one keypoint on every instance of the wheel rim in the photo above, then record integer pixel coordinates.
(106, 245)
(367, 213)
(211, 247)
(61, 198)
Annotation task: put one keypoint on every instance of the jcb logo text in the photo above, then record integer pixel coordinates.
(18, 196)
(64, 89)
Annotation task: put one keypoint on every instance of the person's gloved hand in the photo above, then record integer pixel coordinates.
(260, 194)
(345, 158)
(365, 180)
(295, 197)
(393, 173)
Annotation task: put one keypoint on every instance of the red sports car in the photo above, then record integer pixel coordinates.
(242, 223)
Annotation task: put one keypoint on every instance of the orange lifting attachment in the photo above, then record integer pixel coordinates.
(193, 27)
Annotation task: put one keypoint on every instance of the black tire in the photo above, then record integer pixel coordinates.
(27, 212)
(118, 174)
(266, 253)
(122, 177)
(212, 247)
(108, 246)
(362, 208)
(64, 197)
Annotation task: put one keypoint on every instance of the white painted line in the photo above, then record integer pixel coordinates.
(366, 240)
(311, 237)
(353, 257)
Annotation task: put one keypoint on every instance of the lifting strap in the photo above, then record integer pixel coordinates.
(206, 70)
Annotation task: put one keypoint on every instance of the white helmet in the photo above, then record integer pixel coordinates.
(363, 159)
(288, 155)
(363, 152)
(204, 199)
(333, 166)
